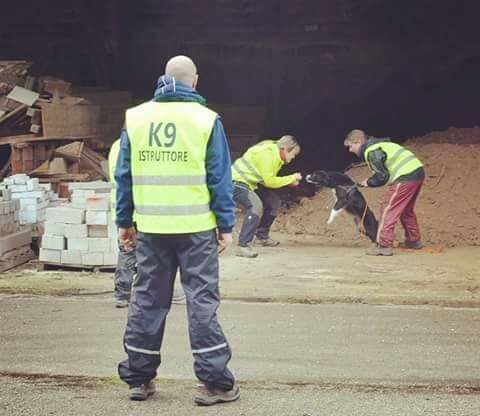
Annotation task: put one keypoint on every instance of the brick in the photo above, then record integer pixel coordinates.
(6, 194)
(33, 184)
(76, 230)
(40, 194)
(97, 186)
(71, 257)
(92, 259)
(54, 228)
(98, 244)
(68, 215)
(53, 242)
(78, 202)
(99, 231)
(80, 244)
(97, 218)
(20, 179)
(50, 256)
(15, 240)
(98, 203)
(112, 231)
(110, 258)
(83, 193)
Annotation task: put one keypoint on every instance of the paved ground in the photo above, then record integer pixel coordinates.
(303, 272)
(301, 358)
(337, 333)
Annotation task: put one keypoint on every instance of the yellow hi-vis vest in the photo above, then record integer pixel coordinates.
(260, 164)
(399, 162)
(112, 164)
(168, 145)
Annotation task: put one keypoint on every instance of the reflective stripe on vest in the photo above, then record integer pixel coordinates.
(112, 163)
(399, 162)
(244, 170)
(168, 145)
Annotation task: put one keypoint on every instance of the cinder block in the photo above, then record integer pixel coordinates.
(98, 244)
(6, 194)
(80, 244)
(76, 230)
(92, 259)
(98, 203)
(112, 231)
(68, 215)
(46, 186)
(110, 258)
(96, 186)
(82, 193)
(98, 231)
(18, 188)
(12, 241)
(97, 218)
(50, 256)
(53, 242)
(19, 179)
(54, 228)
(40, 193)
(79, 202)
(33, 184)
(71, 257)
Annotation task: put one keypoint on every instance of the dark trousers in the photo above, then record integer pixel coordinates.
(399, 204)
(158, 257)
(124, 274)
(260, 210)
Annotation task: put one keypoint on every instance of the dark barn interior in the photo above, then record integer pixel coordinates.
(313, 68)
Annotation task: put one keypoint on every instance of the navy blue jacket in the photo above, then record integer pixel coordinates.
(218, 164)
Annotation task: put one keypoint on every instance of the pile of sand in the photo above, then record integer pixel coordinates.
(448, 208)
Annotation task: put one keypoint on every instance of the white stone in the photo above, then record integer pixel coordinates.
(92, 259)
(76, 230)
(98, 231)
(97, 218)
(50, 256)
(98, 203)
(80, 244)
(33, 184)
(53, 242)
(54, 228)
(67, 215)
(71, 257)
(98, 244)
(110, 258)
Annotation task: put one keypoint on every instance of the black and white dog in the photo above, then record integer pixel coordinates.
(348, 198)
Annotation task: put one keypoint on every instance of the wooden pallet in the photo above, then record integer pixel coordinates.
(44, 266)
(15, 258)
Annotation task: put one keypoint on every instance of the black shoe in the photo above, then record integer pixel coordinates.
(413, 245)
(142, 392)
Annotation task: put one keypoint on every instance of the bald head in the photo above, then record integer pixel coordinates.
(183, 69)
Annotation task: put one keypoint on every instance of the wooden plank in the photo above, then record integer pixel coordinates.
(24, 96)
(13, 113)
(71, 151)
(26, 138)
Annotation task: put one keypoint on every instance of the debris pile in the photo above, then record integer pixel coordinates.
(54, 130)
(447, 209)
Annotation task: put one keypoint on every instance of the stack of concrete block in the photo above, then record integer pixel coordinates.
(15, 239)
(33, 198)
(82, 232)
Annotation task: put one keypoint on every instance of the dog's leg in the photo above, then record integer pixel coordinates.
(333, 214)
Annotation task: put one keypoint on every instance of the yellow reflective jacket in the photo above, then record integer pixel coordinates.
(260, 164)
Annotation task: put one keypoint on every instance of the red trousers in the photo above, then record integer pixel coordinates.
(399, 202)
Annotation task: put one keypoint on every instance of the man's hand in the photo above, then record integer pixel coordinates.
(224, 240)
(364, 183)
(298, 178)
(127, 238)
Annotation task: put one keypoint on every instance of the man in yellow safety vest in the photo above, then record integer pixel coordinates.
(404, 173)
(174, 171)
(255, 175)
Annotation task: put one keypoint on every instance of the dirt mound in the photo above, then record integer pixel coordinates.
(448, 208)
